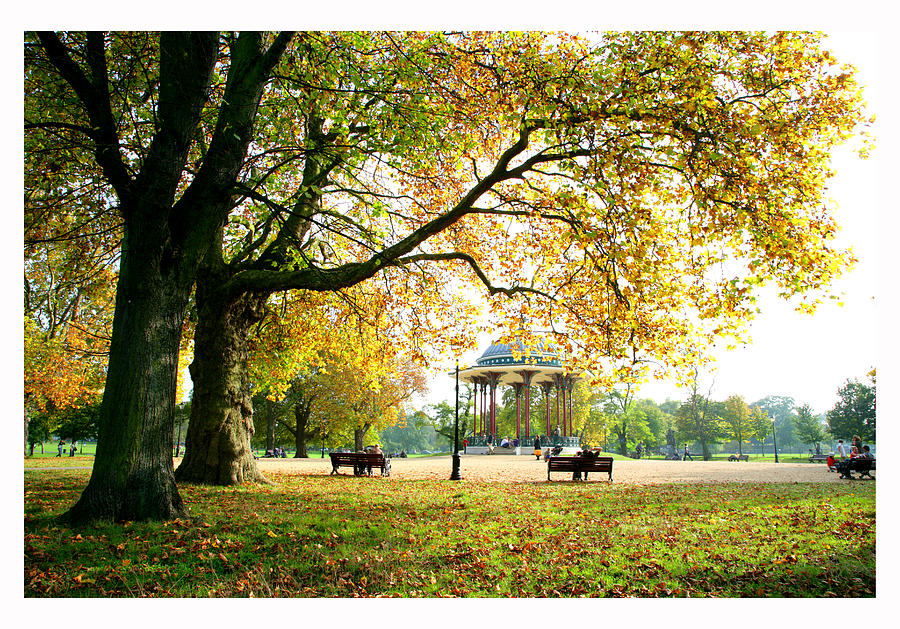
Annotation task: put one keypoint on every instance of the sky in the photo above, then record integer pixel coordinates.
(806, 357)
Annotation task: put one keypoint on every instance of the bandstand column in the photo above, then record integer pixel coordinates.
(474, 406)
(478, 413)
(565, 406)
(495, 380)
(526, 381)
(483, 406)
(517, 386)
(546, 387)
(556, 380)
(571, 388)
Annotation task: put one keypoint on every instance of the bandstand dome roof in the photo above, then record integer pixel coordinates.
(502, 354)
(542, 361)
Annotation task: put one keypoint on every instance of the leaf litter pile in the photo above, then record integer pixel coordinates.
(340, 536)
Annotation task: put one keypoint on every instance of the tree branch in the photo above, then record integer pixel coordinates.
(93, 93)
(493, 290)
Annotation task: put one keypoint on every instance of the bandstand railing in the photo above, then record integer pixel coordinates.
(566, 442)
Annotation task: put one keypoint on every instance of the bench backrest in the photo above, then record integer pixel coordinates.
(566, 463)
(602, 463)
(562, 462)
(356, 457)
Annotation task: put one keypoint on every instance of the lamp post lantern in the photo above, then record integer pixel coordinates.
(455, 474)
(774, 443)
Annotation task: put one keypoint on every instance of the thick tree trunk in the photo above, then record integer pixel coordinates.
(270, 430)
(623, 440)
(301, 422)
(358, 435)
(217, 448)
(132, 477)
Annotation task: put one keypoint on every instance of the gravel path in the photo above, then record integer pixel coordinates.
(514, 469)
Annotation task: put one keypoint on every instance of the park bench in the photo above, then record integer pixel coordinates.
(360, 461)
(580, 464)
(865, 467)
(739, 457)
(818, 458)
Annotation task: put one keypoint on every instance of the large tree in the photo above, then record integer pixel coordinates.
(593, 188)
(854, 412)
(165, 120)
(417, 158)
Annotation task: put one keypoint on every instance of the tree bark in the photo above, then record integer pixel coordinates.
(217, 448)
(132, 477)
(358, 435)
(270, 429)
(301, 421)
(167, 232)
(27, 418)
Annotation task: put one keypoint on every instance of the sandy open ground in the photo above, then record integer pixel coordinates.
(527, 469)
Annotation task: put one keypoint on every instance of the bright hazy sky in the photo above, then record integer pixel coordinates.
(792, 354)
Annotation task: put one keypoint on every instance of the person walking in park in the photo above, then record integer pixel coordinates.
(60, 448)
(537, 448)
(72, 449)
(687, 454)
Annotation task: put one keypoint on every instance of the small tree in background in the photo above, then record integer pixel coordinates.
(737, 421)
(760, 426)
(781, 407)
(79, 423)
(808, 427)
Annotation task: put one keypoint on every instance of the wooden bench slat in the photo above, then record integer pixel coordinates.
(865, 467)
(579, 464)
(359, 460)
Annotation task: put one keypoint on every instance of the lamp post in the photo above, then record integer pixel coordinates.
(323, 438)
(454, 474)
(774, 443)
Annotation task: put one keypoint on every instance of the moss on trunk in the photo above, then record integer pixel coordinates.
(217, 448)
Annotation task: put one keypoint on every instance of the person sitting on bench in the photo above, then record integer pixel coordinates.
(588, 455)
(844, 466)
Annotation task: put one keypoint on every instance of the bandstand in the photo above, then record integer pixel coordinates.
(540, 366)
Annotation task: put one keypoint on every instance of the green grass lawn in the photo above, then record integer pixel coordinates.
(342, 536)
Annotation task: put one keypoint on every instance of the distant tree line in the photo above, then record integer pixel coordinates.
(618, 421)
